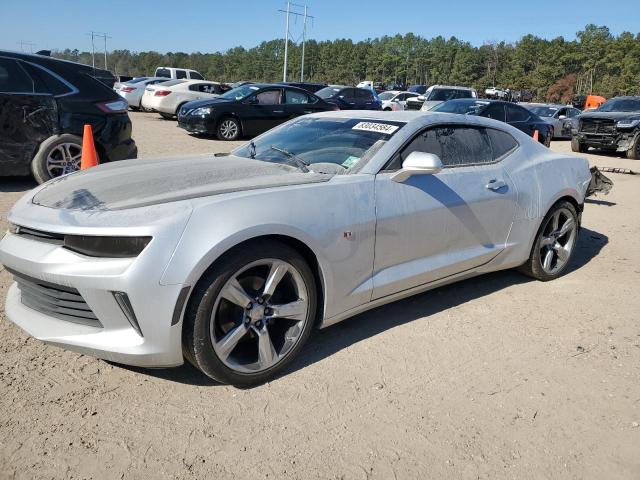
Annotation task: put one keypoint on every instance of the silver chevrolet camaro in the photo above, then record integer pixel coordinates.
(230, 261)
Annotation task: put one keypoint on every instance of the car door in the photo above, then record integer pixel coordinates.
(495, 111)
(298, 103)
(519, 118)
(347, 99)
(364, 99)
(265, 110)
(28, 115)
(434, 226)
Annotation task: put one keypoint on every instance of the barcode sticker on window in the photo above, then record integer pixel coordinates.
(376, 127)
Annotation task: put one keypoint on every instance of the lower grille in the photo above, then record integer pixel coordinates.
(413, 105)
(601, 127)
(64, 303)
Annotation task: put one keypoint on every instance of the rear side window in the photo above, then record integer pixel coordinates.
(364, 94)
(13, 78)
(348, 93)
(501, 143)
(181, 74)
(196, 76)
(495, 111)
(45, 82)
(163, 72)
(295, 97)
(517, 114)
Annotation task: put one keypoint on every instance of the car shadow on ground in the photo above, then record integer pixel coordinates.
(327, 342)
(17, 184)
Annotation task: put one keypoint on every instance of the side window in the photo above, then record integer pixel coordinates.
(501, 143)
(348, 93)
(495, 111)
(572, 112)
(462, 94)
(181, 74)
(363, 94)
(13, 78)
(517, 114)
(295, 97)
(207, 88)
(562, 111)
(269, 97)
(196, 76)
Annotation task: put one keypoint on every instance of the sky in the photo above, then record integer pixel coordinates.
(214, 25)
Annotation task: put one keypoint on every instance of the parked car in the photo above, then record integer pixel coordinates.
(562, 117)
(133, 90)
(615, 126)
(419, 89)
(44, 104)
(249, 110)
(437, 94)
(395, 100)
(350, 98)
(178, 73)
(308, 86)
(494, 92)
(230, 262)
(166, 98)
(515, 115)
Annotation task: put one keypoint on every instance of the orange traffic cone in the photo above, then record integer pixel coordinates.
(535, 135)
(89, 154)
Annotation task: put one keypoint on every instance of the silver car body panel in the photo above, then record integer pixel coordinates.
(374, 240)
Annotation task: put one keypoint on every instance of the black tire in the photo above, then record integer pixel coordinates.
(533, 267)
(40, 162)
(167, 116)
(576, 146)
(634, 152)
(228, 129)
(196, 337)
(547, 139)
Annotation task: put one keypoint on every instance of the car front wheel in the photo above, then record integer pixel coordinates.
(634, 152)
(228, 129)
(554, 244)
(576, 146)
(250, 314)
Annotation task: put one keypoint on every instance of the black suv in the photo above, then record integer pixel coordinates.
(350, 98)
(615, 126)
(44, 105)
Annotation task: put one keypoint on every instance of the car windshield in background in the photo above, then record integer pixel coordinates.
(463, 107)
(170, 83)
(386, 95)
(342, 142)
(137, 80)
(163, 72)
(444, 94)
(620, 105)
(240, 92)
(544, 111)
(328, 92)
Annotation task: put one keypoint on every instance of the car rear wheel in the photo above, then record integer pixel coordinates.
(634, 152)
(57, 156)
(166, 116)
(576, 146)
(229, 129)
(554, 244)
(250, 314)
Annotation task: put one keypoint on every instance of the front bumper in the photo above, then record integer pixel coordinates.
(620, 142)
(195, 124)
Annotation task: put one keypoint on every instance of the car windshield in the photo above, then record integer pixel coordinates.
(387, 95)
(543, 111)
(170, 83)
(463, 107)
(621, 105)
(444, 94)
(137, 80)
(240, 92)
(328, 92)
(340, 142)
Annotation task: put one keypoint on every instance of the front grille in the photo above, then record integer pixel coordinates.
(64, 303)
(597, 126)
(39, 235)
(415, 105)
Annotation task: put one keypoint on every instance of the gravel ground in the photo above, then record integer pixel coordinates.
(494, 377)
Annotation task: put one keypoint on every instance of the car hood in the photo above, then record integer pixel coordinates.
(209, 102)
(428, 105)
(138, 183)
(612, 115)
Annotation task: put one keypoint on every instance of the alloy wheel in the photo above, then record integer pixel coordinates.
(259, 315)
(64, 158)
(229, 129)
(558, 240)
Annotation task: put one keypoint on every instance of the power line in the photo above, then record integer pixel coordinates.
(289, 12)
(23, 43)
(93, 47)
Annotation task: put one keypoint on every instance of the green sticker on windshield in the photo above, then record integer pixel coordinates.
(350, 161)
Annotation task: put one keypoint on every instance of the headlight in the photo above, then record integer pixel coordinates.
(111, 247)
(202, 111)
(627, 123)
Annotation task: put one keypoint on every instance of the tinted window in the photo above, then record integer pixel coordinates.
(293, 96)
(196, 76)
(44, 82)
(13, 79)
(501, 143)
(137, 80)
(163, 72)
(495, 111)
(621, 105)
(456, 146)
(328, 92)
(181, 74)
(444, 94)
(268, 97)
(348, 93)
(203, 87)
(516, 114)
(573, 113)
(364, 94)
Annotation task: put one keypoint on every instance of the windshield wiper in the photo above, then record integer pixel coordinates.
(302, 164)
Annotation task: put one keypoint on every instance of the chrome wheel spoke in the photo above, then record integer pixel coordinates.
(226, 345)
(555, 220)
(548, 258)
(547, 241)
(562, 252)
(267, 355)
(567, 226)
(234, 292)
(294, 311)
(276, 274)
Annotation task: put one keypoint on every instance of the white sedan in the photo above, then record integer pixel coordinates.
(132, 90)
(166, 98)
(395, 100)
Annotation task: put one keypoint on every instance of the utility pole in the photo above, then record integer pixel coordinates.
(23, 43)
(289, 12)
(93, 47)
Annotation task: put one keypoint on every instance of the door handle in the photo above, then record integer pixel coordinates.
(495, 184)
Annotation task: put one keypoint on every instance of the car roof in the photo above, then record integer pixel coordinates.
(457, 87)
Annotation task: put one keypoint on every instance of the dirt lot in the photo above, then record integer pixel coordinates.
(495, 377)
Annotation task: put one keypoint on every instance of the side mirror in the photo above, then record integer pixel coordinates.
(252, 101)
(418, 163)
(562, 117)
